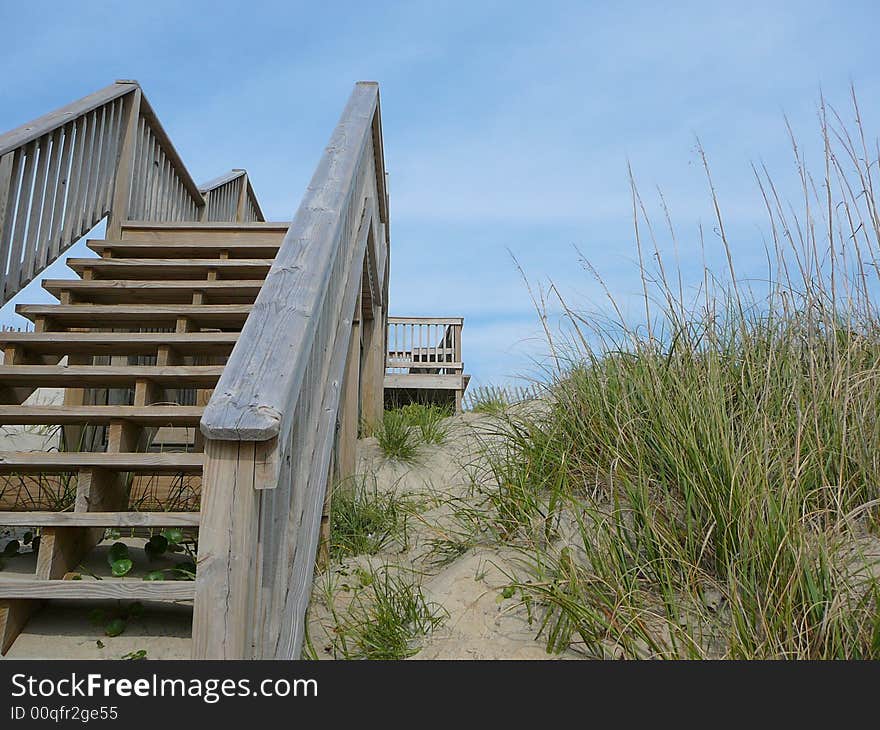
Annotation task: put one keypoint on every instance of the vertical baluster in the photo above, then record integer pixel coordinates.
(175, 204)
(139, 171)
(106, 152)
(32, 242)
(64, 172)
(166, 188)
(21, 217)
(77, 193)
(10, 174)
(46, 223)
(156, 166)
(115, 140)
(88, 166)
(98, 150)
(77, 145)
(160, 185)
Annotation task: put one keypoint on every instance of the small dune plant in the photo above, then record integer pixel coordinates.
(396, 437)
(364, 520)
(403, 431)
(431, 421)
(386, 617)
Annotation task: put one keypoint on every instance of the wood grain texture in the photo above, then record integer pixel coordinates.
(127, 590)
(120, 343)
(14, 614)
(147, 291)
(424, 382)
(91, 376)
(224, 617)
(264, 374)
(100, 519)
(99, 415)
(32, 462)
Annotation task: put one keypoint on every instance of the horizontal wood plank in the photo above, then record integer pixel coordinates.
(424, 382)
(129, 590)
(35, 462)
(99, 519)
(187, 248)
(156, 416)
(133, 268)
(145, 315)
(93, 376)
(120, 343)
(146, 291)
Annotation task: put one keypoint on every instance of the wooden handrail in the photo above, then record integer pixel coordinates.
(28, 132)
(104, 155)
(282, 420)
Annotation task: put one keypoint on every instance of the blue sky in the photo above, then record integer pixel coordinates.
(507, 125)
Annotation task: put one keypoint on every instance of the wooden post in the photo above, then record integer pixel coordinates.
(456, 344)
(131, 110)
(226, 581)
(242, 199)
(345, 456)
(375, 332)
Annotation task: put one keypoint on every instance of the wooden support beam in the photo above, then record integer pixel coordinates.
(131, 110)
(373, 367)
(227, 579)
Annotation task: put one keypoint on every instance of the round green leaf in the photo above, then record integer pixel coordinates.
(118, 551)
(115, 627)
(155, 575)
(174, 535)
(121, 567)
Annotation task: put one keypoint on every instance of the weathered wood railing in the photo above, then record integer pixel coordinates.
(231, 198)
(106, 154)
(424, 345)
(282, 421)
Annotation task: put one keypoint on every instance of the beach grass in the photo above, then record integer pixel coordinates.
(703, 481)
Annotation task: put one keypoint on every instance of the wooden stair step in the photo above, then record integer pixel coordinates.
(187, 248)
(120, 343)
(130, 268)
(128, 590)
(99, 519)
(36, 462)
(269, 231)
(134, 291)
(96, 376)
(156, 416)
(140, 315)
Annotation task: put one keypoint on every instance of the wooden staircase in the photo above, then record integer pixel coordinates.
(192, 293)
(137, 346)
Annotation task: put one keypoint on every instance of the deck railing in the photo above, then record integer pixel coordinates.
(231, 198)
(424, 345)
(106, 154)
(283, 418)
